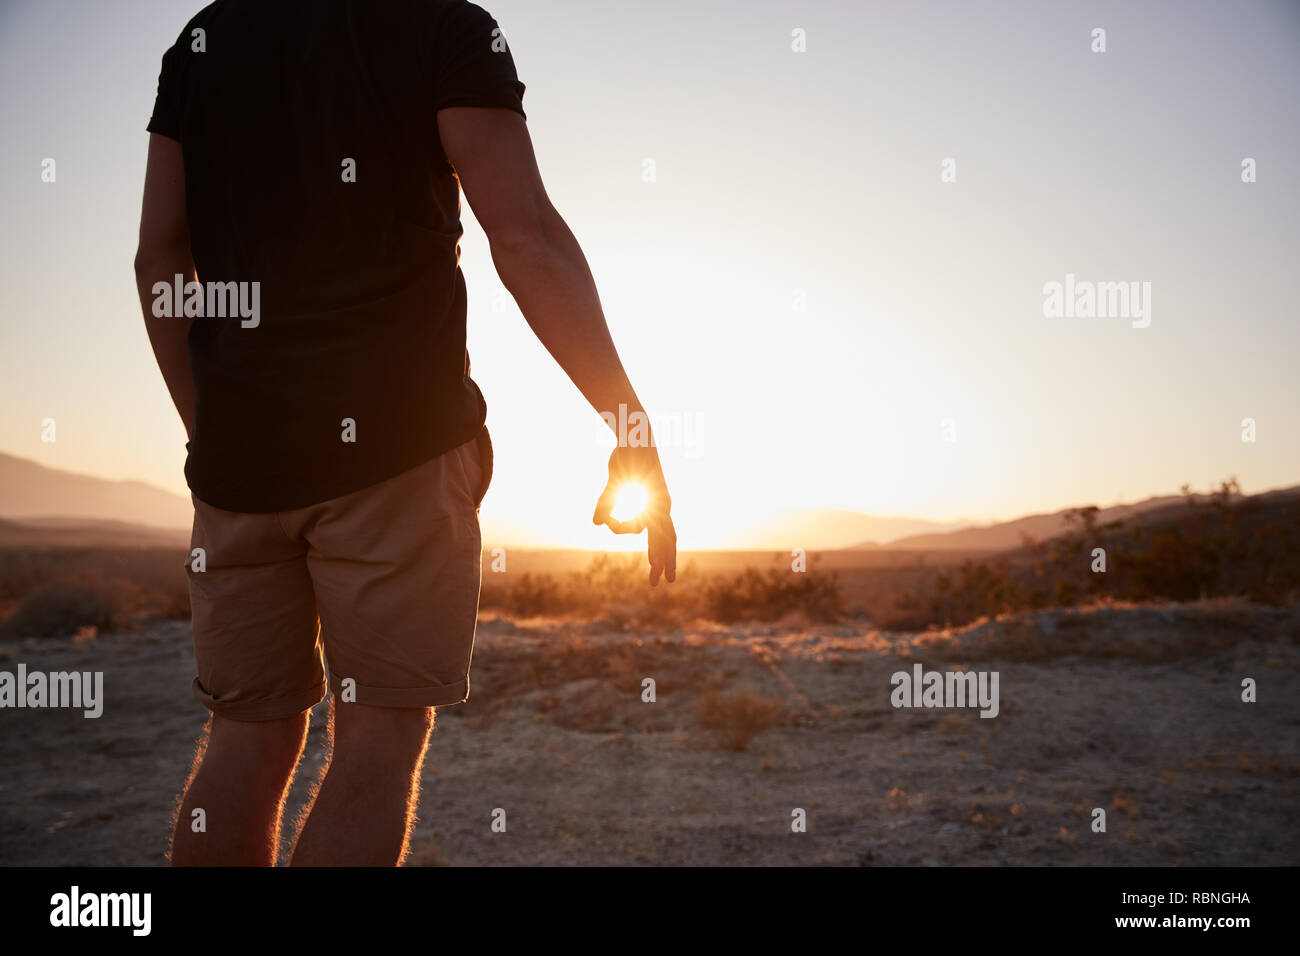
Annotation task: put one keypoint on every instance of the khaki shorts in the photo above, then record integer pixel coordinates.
(383, 584)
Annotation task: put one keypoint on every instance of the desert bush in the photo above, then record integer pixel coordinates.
(614, 589)
(750, 595)
(737, 718)
(60, 610)
(171, 600)
(1214, 545)
(133, 584)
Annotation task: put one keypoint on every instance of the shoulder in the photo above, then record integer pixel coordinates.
(460, 15)
(193, 36)
(205, 18)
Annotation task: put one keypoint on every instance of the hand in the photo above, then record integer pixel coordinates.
(641, 466)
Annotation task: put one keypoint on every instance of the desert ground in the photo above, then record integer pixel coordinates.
(1135, 709)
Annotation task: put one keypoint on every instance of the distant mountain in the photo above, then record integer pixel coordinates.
(828, 529)
(31, 490)
(1038, 527)
(87, 533)
(49, 507)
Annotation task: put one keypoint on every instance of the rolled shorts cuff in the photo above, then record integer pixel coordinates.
(436, 695)
(256, 710)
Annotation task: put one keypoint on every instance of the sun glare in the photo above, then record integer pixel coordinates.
(630, 501)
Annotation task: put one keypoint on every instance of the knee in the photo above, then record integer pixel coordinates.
(273, 744)
(383, 732)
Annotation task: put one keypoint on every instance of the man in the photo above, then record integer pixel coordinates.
(304, 168)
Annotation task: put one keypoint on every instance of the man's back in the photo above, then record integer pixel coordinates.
(346, 410)
(313, 168)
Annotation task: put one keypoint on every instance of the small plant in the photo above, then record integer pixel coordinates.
(736, 717)
(614, 589)
(61, 610)
(769, 597)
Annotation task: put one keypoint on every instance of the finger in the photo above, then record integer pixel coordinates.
(662, 548)
(662, 557)
(654, 551)
(670, 554)
(604, 505)
(635, 526)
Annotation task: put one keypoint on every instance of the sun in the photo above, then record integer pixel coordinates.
(630, 500)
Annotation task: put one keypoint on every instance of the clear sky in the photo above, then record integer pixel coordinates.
(782, 179)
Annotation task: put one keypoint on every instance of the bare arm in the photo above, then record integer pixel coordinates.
(162, 253)
(541, 263)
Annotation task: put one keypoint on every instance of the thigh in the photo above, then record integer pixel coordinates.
(256, 645)
(396, 569)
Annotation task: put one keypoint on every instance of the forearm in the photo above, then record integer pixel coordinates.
(548, 275)
(168, 335)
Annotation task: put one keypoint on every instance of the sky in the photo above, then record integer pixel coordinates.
(812, 315)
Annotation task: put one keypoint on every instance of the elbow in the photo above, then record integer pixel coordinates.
(148, 264)
(161, 257)
(519, 240)
(516, 255)
(526, 246)
(530, 229)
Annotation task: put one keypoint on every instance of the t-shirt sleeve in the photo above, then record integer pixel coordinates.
(166, 118)
(472, 64)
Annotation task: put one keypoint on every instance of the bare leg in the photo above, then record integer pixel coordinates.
(240, 776)
(363, 811)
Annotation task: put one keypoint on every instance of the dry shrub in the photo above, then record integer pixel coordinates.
(587, 706)
(58, 610)
(56, 591)
(171, 599)
(610, 588)
(1224, 545)
(737, 718)
(615, 589)
(773, 596)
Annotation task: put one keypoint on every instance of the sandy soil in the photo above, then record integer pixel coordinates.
(1134, 710)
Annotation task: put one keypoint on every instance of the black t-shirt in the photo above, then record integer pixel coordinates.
(313, 168)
